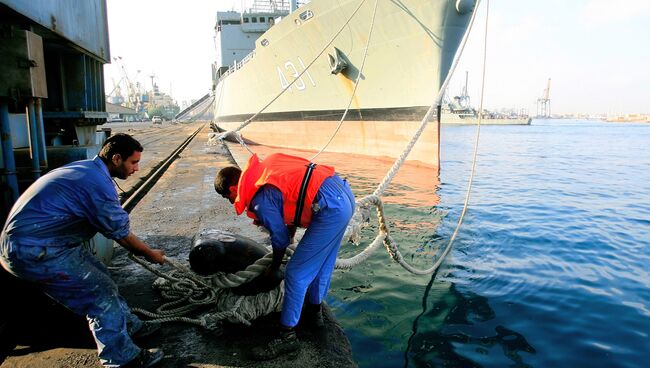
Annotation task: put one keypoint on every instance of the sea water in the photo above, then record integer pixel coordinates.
(550, 267)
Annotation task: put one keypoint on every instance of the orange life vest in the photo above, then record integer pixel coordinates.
(286, 173)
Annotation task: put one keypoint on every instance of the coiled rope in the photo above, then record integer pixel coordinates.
(187, 292)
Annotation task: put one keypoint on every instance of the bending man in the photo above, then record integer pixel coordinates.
(41, 242)
(281, 193)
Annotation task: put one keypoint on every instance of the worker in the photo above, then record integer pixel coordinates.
(41, 242)
(281, 193)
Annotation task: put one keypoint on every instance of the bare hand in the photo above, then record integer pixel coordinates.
(156, 256)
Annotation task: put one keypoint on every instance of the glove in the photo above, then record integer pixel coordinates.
(267, 281)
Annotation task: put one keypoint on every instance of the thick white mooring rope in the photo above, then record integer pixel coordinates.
(362, 214)
(185, 287)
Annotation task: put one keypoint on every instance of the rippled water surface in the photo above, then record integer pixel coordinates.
(551, 266)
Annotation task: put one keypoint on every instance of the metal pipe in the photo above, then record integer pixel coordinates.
(8, 152)
(40, 128)
(33, 139)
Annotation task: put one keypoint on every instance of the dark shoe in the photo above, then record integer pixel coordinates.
(147, 329)
(146, 358)
(287, 342)
(313, 316)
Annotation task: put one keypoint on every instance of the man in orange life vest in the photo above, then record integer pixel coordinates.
(281, 193)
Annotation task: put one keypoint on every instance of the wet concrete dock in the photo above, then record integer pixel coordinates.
(182, 203)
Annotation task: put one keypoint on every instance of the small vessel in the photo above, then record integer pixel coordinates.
(380, 62)
(451, 114)
(459, 110)
(490, 118)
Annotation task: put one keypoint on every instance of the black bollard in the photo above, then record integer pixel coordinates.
(222, 251)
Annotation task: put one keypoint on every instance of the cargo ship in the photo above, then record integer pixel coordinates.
(382, 61)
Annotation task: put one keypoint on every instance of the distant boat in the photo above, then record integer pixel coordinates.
(452, 118)
(469, 116)
(459, 110)
(410, 52)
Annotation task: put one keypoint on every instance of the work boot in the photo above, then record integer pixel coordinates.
(313, 316)
(146, 358)
(145, 330)
(286, 342)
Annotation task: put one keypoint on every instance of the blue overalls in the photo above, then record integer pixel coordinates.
(310, 269)
(41, 242)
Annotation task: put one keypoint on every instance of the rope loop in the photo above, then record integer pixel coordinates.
(187, 291)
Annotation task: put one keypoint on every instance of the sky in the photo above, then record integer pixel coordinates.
(596, 52)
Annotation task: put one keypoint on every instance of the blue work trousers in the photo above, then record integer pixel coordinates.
(310, 269)
(74, 278)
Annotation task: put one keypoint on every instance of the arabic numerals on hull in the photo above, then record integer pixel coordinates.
(290, 71)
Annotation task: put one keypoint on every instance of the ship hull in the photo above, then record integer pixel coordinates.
(384, 139)
(411, 49)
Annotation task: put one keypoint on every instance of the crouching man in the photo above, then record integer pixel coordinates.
(281, 193)
(41, 243)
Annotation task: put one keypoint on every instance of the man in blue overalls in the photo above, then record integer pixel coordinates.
(41, 243)
(281, 193)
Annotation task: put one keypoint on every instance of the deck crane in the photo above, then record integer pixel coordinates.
(544, 102)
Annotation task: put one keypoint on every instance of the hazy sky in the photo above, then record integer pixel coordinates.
(597, 52)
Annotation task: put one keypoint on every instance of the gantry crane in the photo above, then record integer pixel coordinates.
(544, 102)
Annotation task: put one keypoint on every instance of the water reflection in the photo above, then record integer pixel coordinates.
(413, 186)
(464, 335)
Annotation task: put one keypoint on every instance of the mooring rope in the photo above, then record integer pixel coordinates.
(207, 106)
(363, 205)
(183, 287)
(362, 212)
(227, 134)
(356, 84)
(186, 292)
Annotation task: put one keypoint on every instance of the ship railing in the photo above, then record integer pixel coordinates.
(275, 5)
(237, 65)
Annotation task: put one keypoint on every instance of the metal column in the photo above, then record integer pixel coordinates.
(8, 152)
(40, 128)
(33, 139)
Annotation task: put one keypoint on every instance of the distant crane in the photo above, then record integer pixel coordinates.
(544, 102)
(133, 91)
(154, 86)
(463, 99)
